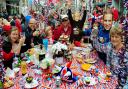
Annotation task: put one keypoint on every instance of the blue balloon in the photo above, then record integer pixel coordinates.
(27, 18)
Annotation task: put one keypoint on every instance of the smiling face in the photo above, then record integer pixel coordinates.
(14, 35)
(65, 22)
(77, 16)
(116, 40)
(32, 23)
(116, 36)
(107, 21)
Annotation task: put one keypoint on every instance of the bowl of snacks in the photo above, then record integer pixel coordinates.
(29, 79)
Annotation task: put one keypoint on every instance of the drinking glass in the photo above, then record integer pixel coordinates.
(22, 34)
(45, 43)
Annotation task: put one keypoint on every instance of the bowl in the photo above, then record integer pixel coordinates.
(29, 79)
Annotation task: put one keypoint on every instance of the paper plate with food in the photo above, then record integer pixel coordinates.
(90, 81)
(31, 83)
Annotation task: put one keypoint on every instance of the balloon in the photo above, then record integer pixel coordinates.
(27, 18)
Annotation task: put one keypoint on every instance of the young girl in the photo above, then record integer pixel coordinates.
(49, 35)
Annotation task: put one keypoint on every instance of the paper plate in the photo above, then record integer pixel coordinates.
(86, 67)
(92, 81)
(33, 84)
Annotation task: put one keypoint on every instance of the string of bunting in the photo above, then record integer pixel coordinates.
(12, 5)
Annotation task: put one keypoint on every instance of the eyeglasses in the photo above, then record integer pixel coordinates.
(64, 20)
(31, 23)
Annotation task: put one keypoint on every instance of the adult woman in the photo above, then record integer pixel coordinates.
(117, 56)
(12, 45)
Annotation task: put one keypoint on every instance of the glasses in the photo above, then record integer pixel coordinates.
(31, 23)
(64, 20)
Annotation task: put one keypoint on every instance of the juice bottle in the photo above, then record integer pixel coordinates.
(23, 67)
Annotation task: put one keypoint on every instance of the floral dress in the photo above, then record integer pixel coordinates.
(116, 61)
(119, 65)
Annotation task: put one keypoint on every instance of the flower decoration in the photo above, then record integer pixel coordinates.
(58, 49)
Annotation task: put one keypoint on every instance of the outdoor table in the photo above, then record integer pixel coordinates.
(19, 80)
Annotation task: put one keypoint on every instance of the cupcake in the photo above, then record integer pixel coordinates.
(87, 80)
(65, 37)
(29, 79)
(109, 74)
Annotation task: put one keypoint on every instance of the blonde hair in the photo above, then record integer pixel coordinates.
(48, 28)
(107, 11)
(76, 13)
(116, 31)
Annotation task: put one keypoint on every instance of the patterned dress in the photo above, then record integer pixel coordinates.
(1, 61)
(117, 61)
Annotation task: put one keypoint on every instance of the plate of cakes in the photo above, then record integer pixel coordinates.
(64, 37)
(90, 81)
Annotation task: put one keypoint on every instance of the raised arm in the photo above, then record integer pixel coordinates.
(70, 16)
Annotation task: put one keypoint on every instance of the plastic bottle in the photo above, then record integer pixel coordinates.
(58, 82)
(23, 67)
(15, 61)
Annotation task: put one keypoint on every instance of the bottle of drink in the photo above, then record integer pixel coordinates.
(42, 53)
(23, 67)
(58, 82)
(15, 60)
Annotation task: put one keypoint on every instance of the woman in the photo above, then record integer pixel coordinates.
(12, 45)
(117, 56)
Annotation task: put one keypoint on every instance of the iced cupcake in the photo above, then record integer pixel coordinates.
(87, 80)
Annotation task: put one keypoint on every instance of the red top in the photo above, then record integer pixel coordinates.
(7, 56)
(60, 31)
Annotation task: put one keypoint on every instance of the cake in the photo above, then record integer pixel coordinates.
(109, 74)
(29, 79)
(65, 37)
(87, 80)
